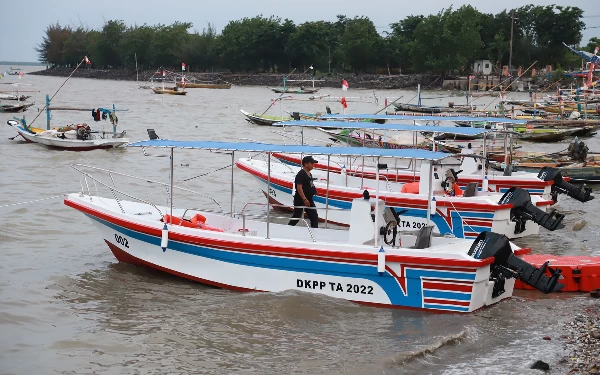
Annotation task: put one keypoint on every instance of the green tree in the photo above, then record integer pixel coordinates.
(447, 41)
(108, 45)
(360, 42)
(51, 50)
(310, 44)
(76, 47)
(134, 43)
(166, 46)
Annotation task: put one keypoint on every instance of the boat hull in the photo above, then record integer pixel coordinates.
(255, 263)
(71, 144)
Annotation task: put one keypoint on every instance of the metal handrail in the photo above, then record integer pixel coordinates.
(113, 189)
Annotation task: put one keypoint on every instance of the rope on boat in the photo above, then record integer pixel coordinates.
(74, 70)
(34, 201)
(207, 173)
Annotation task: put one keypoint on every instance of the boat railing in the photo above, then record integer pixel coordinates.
(115, 191)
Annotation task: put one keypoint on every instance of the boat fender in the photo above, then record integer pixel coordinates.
(164, 241)
(381, 261)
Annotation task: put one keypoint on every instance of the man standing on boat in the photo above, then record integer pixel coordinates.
(305, 190)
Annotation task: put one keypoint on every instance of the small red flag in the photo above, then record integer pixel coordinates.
(344, 102)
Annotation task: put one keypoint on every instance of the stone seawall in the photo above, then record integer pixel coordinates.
(360, 81)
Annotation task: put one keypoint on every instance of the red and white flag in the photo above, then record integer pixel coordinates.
(164, 73)
(596, 50)
(344, 85)
(183, 66)
(344, 101)
(87, 61)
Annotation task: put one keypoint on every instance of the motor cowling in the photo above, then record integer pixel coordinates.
(523, 209)
(508, 265)
(560, 186)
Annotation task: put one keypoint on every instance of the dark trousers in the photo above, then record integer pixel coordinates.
(311, 212)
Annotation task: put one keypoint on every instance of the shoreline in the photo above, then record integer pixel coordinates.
(357, 81)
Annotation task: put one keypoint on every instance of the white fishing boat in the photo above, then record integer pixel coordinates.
(515, 214)
(472, 172)
(78, 137)
(230, 250)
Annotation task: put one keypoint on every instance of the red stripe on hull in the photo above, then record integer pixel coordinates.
(448, 286)
(242, 246)
(125, 257)
(446, 302)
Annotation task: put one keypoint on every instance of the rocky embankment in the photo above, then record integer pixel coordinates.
(360, 81)
(582, 343)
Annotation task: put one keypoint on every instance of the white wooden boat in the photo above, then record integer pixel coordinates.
(229, 250)
(79, 139)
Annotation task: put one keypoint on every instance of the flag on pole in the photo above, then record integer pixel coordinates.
(596, 50)
(344, 104)
(164, 73)
(183, 67)
(311, 67)
(344, 85)
(87, 61)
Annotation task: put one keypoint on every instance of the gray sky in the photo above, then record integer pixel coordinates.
(24, 23)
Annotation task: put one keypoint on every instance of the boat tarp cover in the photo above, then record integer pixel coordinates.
(295, 149)
(424, 118)
(375, 126)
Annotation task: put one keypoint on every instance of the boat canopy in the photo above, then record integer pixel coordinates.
(424, 118)
(375, 126)
(297, 149)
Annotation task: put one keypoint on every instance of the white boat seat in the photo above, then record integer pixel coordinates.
(471, 189)
(423, 237)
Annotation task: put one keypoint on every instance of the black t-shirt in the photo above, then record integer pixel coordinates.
(305, 179)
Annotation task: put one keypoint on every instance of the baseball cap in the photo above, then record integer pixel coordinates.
(308, 159)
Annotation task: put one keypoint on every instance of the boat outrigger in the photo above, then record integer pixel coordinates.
(362, 264)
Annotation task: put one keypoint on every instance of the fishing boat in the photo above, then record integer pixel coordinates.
(197, 85)
(262, 119)
(14, 108)
(401, 107)
(173, 91)
(232, 251)
(288, 90)
(459, 216)
(14, 97)
(78, 137)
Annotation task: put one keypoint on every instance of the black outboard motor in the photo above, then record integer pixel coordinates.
(561, 186)
(524, 210)
(506, 265)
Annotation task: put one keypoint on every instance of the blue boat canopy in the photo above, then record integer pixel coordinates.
(375, 126)
(499, 120)
(296, 149)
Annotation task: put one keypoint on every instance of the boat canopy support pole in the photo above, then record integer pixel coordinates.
(327, 192)
(232, 169)
(377, 213)
(429, 193)
(172, 153)
(268, 192)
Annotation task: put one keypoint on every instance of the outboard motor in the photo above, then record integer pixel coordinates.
(524, 210)
(507, 265)
(561, 186)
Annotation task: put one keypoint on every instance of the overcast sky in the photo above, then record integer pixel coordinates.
(24, 23)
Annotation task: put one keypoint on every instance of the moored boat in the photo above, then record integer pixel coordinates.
(231, 251)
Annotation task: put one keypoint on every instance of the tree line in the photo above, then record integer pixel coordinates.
(446, 42)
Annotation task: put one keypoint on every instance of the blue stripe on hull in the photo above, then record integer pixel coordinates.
(388, 283)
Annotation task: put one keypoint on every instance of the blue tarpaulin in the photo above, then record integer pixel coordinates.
(424, 118)
(375, 126)
(297, 149)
